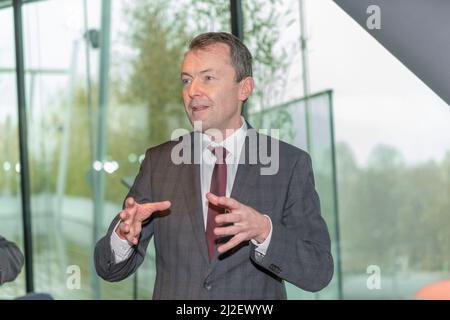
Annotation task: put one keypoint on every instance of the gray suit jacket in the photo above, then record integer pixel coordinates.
(11, 260)
(299, 251)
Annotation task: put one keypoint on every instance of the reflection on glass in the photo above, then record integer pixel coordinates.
(10, 193)
(289, 118)
(62, 85)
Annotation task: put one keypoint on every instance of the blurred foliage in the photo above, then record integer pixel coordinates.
(393, 215)
(159, 42)
(264, 23)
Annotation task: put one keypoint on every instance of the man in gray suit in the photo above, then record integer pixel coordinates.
(225, 226)
(11, 261)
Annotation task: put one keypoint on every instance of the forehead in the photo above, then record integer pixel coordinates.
(216, 56)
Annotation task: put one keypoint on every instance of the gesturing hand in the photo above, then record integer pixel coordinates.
(134, 215)
(247, 223)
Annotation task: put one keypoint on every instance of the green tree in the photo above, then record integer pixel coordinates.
(159, 40)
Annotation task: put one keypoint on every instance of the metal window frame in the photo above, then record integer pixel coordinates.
(9, 3)
(237, 19)
(23, 146)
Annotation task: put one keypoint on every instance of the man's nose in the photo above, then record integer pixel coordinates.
(194, 89)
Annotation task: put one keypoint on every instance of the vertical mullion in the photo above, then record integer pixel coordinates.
(335, 198)
(23, 146)
(237, 28)
(237, 25)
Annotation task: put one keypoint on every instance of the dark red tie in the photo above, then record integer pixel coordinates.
(219, 188)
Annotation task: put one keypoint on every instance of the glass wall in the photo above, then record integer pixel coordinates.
(393, 160)
(94, 106)
(61, 61)
(272, 34)
(308, 124)
(272, 31)
(10, 192)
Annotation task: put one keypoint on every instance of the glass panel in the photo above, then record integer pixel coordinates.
(62, 87)
(393, 160)
(143, 107)
(290, 119)
(10, 193)
(146, 88)
(272, 32)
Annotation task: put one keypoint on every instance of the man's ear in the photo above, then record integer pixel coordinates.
(246, 87)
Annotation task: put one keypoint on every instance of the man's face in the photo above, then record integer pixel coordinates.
(210, 91)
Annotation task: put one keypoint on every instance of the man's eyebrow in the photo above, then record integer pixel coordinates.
(201, 72)
(207, 70)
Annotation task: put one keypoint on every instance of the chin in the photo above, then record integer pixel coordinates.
(204, 124)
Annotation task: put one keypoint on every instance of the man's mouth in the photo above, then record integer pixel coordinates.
(199, 108)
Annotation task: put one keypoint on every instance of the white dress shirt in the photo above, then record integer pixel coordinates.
(233, 144)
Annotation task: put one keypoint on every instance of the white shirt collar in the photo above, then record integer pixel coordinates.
(233, 143)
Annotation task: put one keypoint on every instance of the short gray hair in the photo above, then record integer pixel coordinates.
(241, 58)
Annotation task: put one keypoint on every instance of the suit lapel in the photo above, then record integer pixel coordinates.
(192, 191)
(246, 174)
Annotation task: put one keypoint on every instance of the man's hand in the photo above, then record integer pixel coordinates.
(134, 215)
(247, 223)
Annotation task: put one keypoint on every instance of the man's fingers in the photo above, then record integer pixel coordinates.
(124, 228)
(129, 202)
(130, 233)
(233, 242)
(128, 215)
(161, 206)
(146, 209)
(134, 214)
(130, 238)
(223, 202)
(130, 210)
(227, 231)
(229, 203)
(135, 234)
(212, 198)
(156, 206)
(228, 218)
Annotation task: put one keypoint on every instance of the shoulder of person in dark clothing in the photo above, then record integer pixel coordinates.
(11, 260)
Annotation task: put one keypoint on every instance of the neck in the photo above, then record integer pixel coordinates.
(218, 135)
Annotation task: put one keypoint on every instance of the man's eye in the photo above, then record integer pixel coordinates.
(185, 81)
(209, 77)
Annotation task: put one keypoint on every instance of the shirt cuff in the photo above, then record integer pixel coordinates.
(122, 249)
(261, 248)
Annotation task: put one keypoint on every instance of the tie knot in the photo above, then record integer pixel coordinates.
(220, 153)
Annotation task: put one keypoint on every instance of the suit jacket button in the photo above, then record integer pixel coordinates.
(207, 285)
(275, 269)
